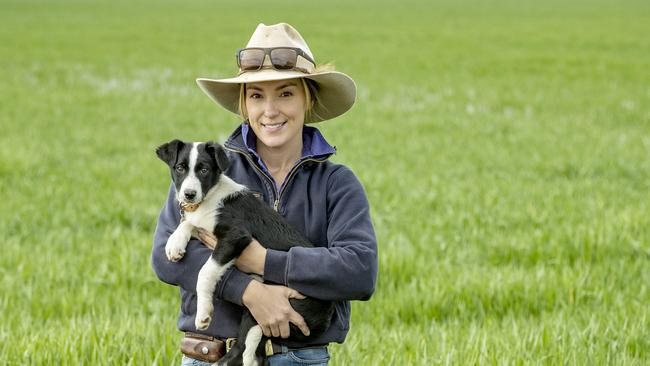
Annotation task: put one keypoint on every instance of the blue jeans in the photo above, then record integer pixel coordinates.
(304, 356)
(317, 356)
(186, 361)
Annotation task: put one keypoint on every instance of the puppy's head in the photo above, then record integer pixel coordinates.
(195, 167)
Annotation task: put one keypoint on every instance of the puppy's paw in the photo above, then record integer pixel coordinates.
(203, 315)
(202, 322)
(175, 248)
(250, 360)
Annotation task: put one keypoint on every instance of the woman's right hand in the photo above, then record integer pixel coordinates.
(269, 305)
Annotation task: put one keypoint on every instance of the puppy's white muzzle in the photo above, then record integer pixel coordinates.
(190, 191)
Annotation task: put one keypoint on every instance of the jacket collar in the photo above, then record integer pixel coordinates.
(314, 144)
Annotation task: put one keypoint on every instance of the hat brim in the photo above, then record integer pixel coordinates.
(336, 90)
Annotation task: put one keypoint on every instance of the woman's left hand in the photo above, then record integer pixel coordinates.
(270, 306)
(252, 259)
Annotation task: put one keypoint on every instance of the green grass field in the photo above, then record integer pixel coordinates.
(504, 146)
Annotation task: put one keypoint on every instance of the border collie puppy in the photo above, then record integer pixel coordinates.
(214, 202)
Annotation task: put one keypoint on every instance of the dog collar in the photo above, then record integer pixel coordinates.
(189, 207)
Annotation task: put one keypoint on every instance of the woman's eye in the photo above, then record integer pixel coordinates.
(255, 96)
(286, 94)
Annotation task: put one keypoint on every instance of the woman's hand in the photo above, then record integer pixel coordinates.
(270, 307)
(252, 259)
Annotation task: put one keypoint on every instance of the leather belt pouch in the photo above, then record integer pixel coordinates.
(203, 348)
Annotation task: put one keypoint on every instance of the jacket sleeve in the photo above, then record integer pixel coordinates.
(347, 268)
(185, 272)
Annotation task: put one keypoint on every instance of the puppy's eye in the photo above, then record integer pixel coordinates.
(180, 169)
(204, 171)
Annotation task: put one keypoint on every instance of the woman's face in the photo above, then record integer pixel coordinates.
(276, 112)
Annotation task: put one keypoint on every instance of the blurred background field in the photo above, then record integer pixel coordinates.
(504, 146)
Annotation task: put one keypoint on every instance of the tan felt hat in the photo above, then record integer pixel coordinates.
(336, 90)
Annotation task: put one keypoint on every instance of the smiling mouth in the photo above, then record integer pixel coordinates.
(273, 126)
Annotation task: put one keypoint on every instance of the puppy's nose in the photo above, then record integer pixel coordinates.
(190, 194)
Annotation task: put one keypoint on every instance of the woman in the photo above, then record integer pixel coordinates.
(279, 90)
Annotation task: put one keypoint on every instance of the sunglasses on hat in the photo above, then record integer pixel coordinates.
(282, 58)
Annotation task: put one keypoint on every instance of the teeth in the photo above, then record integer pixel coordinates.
(274, 126)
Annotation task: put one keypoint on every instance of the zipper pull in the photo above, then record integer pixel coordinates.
(276, 204)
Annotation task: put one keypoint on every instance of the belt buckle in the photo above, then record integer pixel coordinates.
(230, 342)
(268, 348)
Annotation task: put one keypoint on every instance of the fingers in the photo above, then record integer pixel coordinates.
(293, 294)
(275, 330)
(284, 330)
(271, 309)
(266, 330)
(280, 329)
(297, 320)
(206, 238)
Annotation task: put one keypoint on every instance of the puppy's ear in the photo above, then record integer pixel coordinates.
(219, 155)
(169, 151)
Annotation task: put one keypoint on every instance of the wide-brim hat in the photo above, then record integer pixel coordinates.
(336, 91)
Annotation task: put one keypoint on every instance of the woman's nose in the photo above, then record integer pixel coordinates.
(270, 108)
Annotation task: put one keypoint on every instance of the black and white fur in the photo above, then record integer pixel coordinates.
(235, 216)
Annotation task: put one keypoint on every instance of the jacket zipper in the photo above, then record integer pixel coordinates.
(270, 180)
(292, 173)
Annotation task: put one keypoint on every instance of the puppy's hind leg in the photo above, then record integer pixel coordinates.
(209, 275)
(253, 340)
(235, 357)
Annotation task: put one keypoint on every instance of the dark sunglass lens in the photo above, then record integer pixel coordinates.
(284, 58)
(251, 59)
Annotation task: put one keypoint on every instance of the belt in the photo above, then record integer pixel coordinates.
(210, 349)
(272, 348)
(205, 348)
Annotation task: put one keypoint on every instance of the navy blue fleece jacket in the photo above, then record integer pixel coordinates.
(323, 200)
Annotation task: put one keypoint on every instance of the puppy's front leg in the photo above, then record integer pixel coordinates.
(177, 242)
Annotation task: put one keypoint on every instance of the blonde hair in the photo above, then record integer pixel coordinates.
(310, 87)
